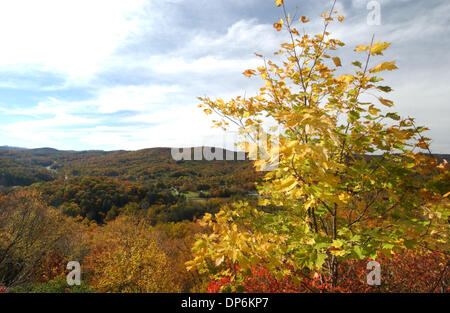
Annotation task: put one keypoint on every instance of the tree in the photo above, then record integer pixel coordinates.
(126, 257)
(31, 235)
(330, 199)
(52, 286)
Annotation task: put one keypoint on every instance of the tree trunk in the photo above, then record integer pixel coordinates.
(334, 271)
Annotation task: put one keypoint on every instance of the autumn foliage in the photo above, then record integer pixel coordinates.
(353, 180)
(127, 254)
(403, 272)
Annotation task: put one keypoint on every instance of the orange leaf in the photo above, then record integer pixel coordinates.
(337, 61)
(249, 73)
(303, 19)
(277, 26)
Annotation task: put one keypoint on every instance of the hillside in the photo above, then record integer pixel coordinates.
(100, 185)
(27, 166)
(22, 167)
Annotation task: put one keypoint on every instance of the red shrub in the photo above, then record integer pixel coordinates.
(403, 272)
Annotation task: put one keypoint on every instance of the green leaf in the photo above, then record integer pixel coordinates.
(410, 244)
(387, 245)
(359, 252)
(357, 63)
(393, 116)
(385, 88)
(321, 257)
(375, 79)
(353, 116)
(421, 129)
(337, 243)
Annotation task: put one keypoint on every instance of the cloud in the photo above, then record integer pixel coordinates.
(207, 64)
(127, 117)
(141, 64)
(73, 38)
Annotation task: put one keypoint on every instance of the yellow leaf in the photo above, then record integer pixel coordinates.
(279, 3)
(337, 61)
(343, 197)
(340, 18)
(378, 48)
(386, 102)
(310, 203)
(219, 260)
(338, 252)
(303, 19)
(249, 73)
(423, 145)
(383, 66)
(446, 195)
(361, 48)
(288, 183)
(373, 110)
(207, 111)
(336, 243)
(346, 78)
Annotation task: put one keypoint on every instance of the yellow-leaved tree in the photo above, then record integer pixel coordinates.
(351, 181)
(125, 256)
(35, 239)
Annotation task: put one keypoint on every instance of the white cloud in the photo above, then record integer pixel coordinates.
(205, 64)
(73, 38)
(135, 98)
(105, 100)
(244, 35)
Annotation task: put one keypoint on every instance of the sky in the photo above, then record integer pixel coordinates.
(116, 74)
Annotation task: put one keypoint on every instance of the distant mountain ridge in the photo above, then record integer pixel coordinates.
(22, 167)
(26, 166)
(12, 148)
(49, 150)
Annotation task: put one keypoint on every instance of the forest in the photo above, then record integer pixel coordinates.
(67, 205)
(355, 183)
